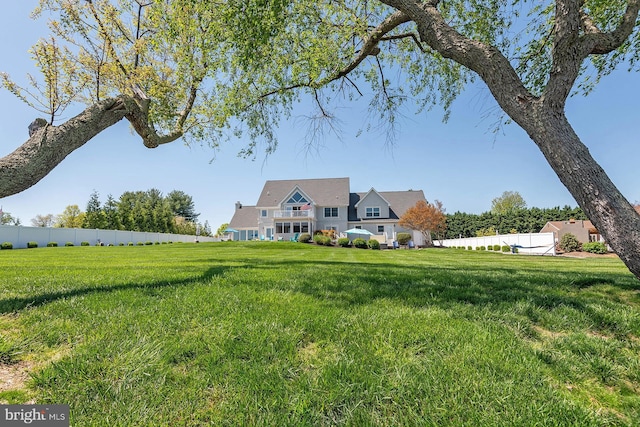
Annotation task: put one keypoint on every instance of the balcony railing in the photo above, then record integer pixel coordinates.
(294, 214)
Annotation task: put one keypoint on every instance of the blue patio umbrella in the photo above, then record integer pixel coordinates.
(359, 232)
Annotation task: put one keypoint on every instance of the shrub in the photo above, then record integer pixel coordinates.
(496, 248)
(360, 243)
(121, 244)
(344, 242)
(304, 238)
(489, 247)
(506, 248)
(130, 244)
(373, 244)
(480, 248)
(140, 244)
(595, 247)
(403, 238)
(148, 243)
(469, 248)
(321, 239)
(69, 244)
(84, 243)
(52, 244)
(6, 245)
(569, 243)
(32, 244)
(156, 243)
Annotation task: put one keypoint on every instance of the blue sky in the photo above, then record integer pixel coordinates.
(460, 163)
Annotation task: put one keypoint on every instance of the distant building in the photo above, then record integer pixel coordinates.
(286, 208)
(583, 230)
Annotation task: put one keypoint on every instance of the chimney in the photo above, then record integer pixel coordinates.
(238, 205)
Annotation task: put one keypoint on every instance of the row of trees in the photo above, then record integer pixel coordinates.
(523, 220)
(135, 211)
(509, 214)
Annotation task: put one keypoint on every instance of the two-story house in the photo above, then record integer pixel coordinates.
(289, 207)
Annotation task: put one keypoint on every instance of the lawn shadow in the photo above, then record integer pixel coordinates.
(11, 305)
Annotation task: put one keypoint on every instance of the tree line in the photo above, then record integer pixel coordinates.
(522, 220)
(148, 211)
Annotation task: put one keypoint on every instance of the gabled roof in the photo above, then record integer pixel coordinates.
(373, 190)
(399, 202)
(323, 191)
(571, 224)
(245, 217)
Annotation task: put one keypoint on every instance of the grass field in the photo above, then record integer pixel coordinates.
(280, 333)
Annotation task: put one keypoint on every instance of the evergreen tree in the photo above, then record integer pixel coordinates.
(94, 216)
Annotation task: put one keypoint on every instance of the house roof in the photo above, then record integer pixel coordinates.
(399, 202)
(324, 191)
(559, 225)
(245, 217)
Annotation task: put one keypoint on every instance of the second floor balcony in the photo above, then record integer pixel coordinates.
(307, 213)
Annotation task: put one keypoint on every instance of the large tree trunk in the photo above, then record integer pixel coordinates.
(606, 207)
(49, 145)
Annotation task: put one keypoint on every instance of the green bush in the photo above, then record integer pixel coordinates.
(403, 238)
(373, 244)
(69, 244)
(480, 248)
(52, 244)
(569, 243)
(469, 248)
(595, 247)
(6, 245)
(84, 243)
(496, 248)
(121, 244)
(148, 243)
(321, 239)
(360, 243)
(32, 244)
(506, 248)
(156, 243)
(304, 238)
(344, 242)
(130, 244)
(140, 244)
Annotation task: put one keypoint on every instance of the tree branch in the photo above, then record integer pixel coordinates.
(48, 145)
(567, 53)
(603, 43)
(485, 60)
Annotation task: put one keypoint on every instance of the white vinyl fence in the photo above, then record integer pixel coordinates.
(19, 236)
(531, 243)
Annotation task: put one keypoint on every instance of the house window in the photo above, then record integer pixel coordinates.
(381, 229)
(372, 212)
(330, 212)
(297, 198)
(263, 213)
(283, 227)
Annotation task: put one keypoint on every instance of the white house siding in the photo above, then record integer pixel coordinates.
(326, 223)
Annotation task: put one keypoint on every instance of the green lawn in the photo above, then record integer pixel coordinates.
(280, 333)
